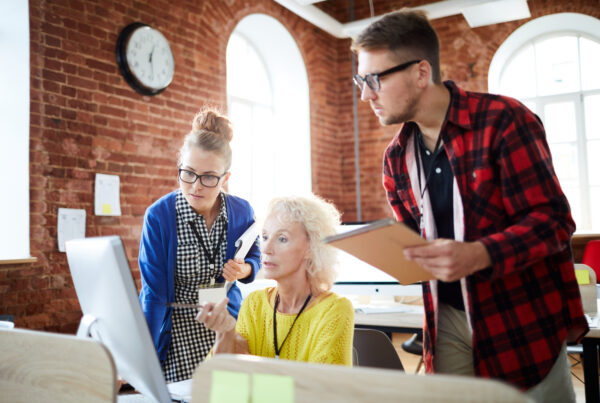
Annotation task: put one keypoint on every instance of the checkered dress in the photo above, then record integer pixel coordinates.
(190, 340)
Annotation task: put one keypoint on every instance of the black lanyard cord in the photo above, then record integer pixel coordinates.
(211, 257)
(278, 349)
(427, 176)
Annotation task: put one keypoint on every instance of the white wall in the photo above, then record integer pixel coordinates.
(14, 129)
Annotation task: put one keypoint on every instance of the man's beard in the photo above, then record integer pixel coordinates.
(406, 115)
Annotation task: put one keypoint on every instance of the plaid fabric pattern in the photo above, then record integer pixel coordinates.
(190, 340)
(527, 304)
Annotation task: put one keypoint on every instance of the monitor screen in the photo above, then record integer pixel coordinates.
(356, 277)
(112, 312)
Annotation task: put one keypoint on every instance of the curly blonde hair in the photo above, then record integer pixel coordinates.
(319, 219)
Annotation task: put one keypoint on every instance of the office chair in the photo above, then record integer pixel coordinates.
(591, 255)
(49, 367)
(374, 349)
(414, 345)
(589, 301)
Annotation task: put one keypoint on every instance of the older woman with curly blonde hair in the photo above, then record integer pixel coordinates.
(299, 319)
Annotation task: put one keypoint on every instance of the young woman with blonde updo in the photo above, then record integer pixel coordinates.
(188, 241)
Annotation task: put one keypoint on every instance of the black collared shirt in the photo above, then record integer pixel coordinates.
(440, 194)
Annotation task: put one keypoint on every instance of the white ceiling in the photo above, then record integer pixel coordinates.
(476, 12)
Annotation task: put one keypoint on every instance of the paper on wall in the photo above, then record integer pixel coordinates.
(106, 195)
(71, 225)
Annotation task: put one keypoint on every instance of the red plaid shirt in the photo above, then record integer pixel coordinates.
(527, 304)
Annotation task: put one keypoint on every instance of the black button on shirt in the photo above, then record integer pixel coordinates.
(440, 193)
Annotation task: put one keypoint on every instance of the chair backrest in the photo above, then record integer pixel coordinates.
(48, 367)
(337, 384)
(375, 349)
(588, 292)
(591, 255)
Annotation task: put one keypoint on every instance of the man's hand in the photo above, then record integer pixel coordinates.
(236, 269)
(450, 260)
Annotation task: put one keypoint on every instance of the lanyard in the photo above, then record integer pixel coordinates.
(427, 176)
(278, 349)
(211, 257)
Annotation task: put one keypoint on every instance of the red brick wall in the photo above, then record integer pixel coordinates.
(85, 119)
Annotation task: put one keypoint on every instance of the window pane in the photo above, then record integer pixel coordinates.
(241, 164)
(518, 77)
(263, 180)
(592, 117)
(573, 194)
(559, 121)
(236, 50)
(246, 74)
(590, 64)
(557, 65)
(595, 202)
(564, 157)
(531, 105)
(593, 150)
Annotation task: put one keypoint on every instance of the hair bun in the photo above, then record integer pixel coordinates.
(211, 120)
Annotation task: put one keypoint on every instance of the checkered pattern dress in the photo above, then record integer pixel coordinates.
(190, 340)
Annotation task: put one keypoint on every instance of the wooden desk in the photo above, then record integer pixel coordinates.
(401, 322)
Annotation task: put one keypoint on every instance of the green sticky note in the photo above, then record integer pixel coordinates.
(230, 387)
(106, 208)
(583, 276)
(267, 388)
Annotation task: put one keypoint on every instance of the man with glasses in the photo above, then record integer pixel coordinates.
(473, 173)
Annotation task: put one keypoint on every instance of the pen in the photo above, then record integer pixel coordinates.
(188, 306)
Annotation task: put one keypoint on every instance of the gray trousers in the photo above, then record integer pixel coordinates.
(454, 355)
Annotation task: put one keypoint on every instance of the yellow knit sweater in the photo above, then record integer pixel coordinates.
(322, 334)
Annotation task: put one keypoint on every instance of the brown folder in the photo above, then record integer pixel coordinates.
(381, 244)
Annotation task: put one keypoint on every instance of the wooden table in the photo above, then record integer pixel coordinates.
(401, 322)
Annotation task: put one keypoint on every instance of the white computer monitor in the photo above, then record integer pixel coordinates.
(356, 277)
(112, 312)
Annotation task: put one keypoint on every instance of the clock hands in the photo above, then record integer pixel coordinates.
(151, 62)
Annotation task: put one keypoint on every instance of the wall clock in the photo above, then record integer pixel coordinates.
(145, 59)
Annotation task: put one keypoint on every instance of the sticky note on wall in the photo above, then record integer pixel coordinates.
(583, 276)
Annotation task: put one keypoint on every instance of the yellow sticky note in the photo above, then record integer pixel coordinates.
(229, 387)
(583, 276)
(268, 388)
(106, 208)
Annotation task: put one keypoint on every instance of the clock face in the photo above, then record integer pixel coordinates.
(145, 59)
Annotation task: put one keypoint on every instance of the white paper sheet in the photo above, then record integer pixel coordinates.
(71, 225)
(106, 195)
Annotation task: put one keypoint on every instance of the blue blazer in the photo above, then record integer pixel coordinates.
(158, 256)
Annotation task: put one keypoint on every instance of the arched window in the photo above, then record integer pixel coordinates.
(267, 91)
(551, 64)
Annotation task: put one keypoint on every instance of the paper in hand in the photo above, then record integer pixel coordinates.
(215, 293)
(245, 242)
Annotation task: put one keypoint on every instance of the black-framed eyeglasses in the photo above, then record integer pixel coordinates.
(372, 79)
(208, 180)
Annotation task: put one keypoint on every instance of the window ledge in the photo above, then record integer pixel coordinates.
(27, 260)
